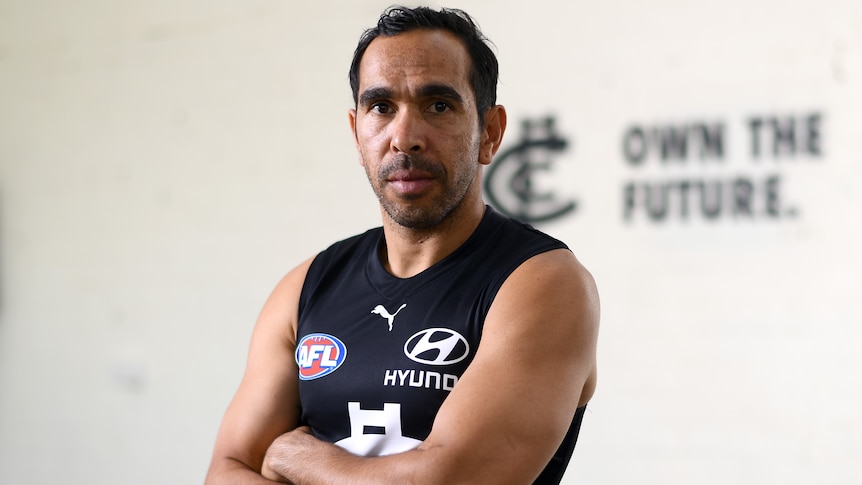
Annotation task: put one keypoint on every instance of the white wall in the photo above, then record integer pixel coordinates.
(162, 164)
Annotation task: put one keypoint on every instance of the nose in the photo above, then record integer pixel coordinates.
(407, 132)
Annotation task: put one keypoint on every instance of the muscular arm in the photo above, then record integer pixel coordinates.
(511, 408)
(266, 404)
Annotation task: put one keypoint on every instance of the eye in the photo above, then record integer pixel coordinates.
(440, 107)
(381, 108)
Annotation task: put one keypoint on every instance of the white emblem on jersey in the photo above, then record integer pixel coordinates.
(446, 348)
(368, 444)
(383, 312)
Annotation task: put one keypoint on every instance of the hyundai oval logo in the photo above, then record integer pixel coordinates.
(437, 346)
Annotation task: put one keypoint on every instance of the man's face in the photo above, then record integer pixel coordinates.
(416, 126)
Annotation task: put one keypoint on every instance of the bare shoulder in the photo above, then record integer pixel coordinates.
(279, 313)
(552, 282)
(558, 263)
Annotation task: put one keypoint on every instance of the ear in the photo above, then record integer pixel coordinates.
(492, 133)
(352, 115)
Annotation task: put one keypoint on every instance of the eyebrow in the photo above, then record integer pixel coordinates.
(372, 94)
(427, 91)
(440, 91)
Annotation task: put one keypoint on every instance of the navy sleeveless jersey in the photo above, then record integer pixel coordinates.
(378, 354)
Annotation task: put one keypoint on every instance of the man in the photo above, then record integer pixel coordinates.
(452, 345)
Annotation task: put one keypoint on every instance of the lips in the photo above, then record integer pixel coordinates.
(409, 182)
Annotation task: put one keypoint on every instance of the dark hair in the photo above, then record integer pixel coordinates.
(398, 20)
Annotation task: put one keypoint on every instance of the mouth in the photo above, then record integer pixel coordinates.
(408, 182)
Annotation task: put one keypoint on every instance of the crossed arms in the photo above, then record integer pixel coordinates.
(501, 424)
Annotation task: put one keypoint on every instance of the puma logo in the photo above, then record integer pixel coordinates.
(383, 312)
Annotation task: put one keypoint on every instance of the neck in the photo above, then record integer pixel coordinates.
(408, 252)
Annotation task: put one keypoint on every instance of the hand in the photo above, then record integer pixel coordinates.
(284, 451)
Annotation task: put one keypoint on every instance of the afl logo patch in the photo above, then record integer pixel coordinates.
(318, 355)
(437, 346)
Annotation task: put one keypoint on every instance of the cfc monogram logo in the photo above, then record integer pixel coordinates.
(509, 181)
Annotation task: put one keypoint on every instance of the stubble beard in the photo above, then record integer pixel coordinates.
(433, 212)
